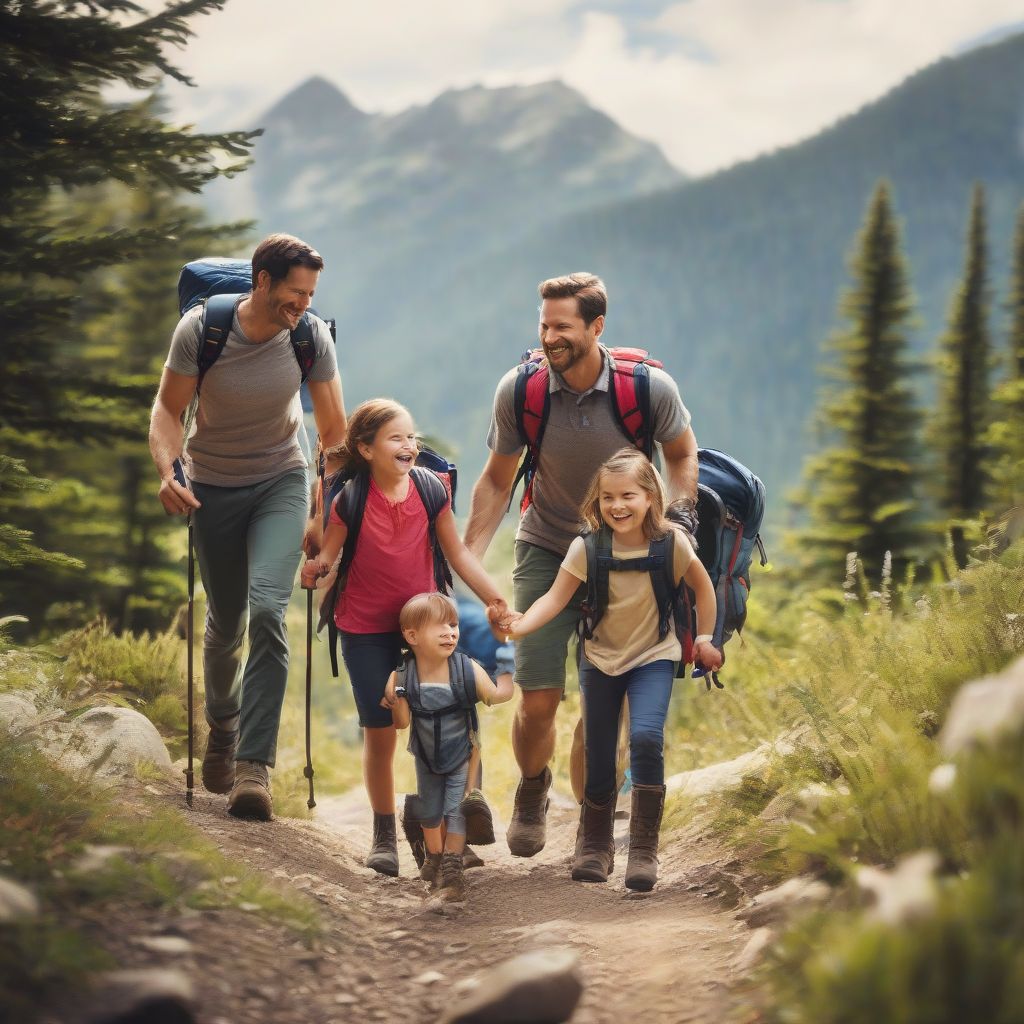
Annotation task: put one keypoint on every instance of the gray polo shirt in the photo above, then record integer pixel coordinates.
(246, 429)
(581, 434)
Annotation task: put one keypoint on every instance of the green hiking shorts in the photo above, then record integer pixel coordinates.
(540, 657)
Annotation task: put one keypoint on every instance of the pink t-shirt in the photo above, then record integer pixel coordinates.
(393, 562)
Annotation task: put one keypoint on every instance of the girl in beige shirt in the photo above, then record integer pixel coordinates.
(626, 657)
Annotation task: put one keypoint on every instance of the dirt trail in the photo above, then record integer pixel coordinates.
(660, 957)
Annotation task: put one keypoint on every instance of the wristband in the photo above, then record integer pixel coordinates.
(704, 638)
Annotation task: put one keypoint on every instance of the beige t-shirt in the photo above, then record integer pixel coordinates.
(627, 635)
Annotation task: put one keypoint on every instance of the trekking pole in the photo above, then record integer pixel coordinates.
(189, 777)
(308, 770)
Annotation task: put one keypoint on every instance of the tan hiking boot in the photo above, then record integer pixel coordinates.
(453, 880)
(527, 830)
(218, 770)
(644, 826)
(595, 845)
(250, 795)
(479, 822)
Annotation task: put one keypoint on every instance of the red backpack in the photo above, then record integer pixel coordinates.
(630, 395)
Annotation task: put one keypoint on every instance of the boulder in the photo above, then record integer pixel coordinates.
(113, 740)
(906, 892)
(143, 996)
(717, 778)
(984, 710)
(16, 902)
(17, 711)
(776, 905)
(541, 987)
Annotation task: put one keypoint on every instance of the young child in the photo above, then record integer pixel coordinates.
(628, 655)
(393, 562)
(436, 692)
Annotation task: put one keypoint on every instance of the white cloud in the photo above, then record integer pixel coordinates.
(728, 79)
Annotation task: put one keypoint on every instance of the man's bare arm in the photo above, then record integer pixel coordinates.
(329, 410)
(166, 437)
(681, 466)
(489, 501)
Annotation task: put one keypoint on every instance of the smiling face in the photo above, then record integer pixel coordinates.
(435, 640)
(624, 505)
(284, 301)
(565, 338)
(393, 450)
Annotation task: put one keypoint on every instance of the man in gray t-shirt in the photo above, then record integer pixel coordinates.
(581, 433)
(248, 497)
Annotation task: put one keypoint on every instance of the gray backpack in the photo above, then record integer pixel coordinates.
(441, 736)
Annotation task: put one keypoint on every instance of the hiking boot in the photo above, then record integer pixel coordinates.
(250, 795)
(218, 771)
(413, 831)
(453, 881)
(479, 823)
(595, 846)
(644, 826)
(526, 831)
(471, 859)
(383, 856)
(431, 869)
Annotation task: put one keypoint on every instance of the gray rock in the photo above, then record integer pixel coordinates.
(17, 711)
(780, 903)
(143, 996)
(167, 945)
(758, 942)
(114, 740)
(96, 857)
(542, 987)
(717, 778)
(984, 710)
(16, 902)
(905, 893)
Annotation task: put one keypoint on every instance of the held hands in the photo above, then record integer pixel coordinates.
(389, 700)
(502, 619)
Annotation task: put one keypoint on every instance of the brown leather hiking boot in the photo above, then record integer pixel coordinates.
(453, 880)
(218, 770)
(250, 795)
(471, 859)
(479, 823)
(431, 869)
(527, 829)
(383, 855)
(644, 826)
(595, 845)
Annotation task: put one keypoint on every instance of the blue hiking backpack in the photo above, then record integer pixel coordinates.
(220, 284)
(730, 510)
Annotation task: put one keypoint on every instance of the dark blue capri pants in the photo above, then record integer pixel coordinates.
(370, 659)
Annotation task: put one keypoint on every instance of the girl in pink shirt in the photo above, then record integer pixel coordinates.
(393, 562)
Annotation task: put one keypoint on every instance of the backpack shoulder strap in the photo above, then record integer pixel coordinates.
(630, 393)
(531, 401)
(662, 555)
(304, 345)
(351, 505)
(463, 679)
(214, 326)
(598, 546)
(432, 491)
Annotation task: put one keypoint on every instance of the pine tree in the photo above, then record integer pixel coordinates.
(59, 140)
(860, 489)
(1006, 434)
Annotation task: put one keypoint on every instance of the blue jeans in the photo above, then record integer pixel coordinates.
(438, 798)
(648, 688)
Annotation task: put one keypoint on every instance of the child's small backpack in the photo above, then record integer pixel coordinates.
(441, 737)
(432, 475)
(730, 510)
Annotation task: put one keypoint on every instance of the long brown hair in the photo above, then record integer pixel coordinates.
(366, 420)
(633, 461)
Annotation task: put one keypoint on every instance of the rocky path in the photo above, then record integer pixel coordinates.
(386, 953)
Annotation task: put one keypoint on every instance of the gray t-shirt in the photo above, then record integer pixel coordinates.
(580, 435)
(246, 429)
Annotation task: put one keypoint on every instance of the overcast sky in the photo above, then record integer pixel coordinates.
(710, 81)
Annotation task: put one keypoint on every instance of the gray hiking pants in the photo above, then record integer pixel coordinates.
(248, 542)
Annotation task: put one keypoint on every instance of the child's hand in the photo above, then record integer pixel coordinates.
(311, 572)
(707, 655)
(510, 623)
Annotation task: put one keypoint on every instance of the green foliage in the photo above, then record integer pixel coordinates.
(47, 820)
(1006, 433)
(860, 490)
(76, 255)
(958, 428)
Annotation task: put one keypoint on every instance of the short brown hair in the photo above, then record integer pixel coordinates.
(629, 460)
(365, 421)
(424, 609)
(277, 254)
(588, 290)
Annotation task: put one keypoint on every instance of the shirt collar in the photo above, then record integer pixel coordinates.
(603, 382)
